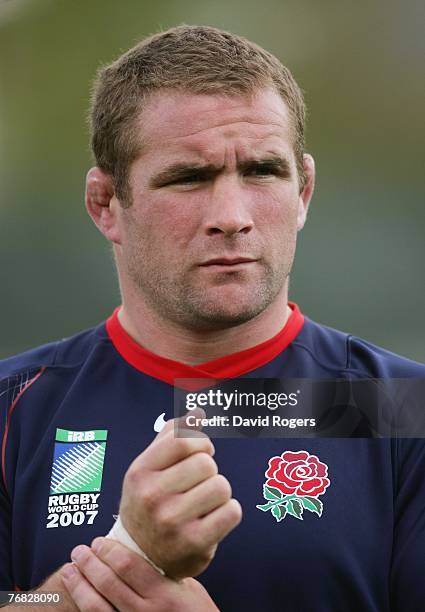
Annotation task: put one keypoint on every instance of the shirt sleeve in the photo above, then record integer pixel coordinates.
(6, 578)
(408, 562)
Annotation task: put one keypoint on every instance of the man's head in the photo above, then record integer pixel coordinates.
(189, 59)
(201, 188)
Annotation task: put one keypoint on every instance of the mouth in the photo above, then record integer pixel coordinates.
(228, 262)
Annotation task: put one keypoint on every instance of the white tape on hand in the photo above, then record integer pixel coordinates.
(120, 534)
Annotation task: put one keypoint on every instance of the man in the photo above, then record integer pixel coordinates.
(201, 185)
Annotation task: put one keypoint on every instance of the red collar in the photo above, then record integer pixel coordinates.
(230, 366)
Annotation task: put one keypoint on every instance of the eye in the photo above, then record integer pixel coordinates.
(189, 179)
(262, 170)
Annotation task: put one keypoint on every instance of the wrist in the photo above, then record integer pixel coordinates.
(120, 534)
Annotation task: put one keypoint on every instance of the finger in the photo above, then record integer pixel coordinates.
(168, 450)
(113, 588)
(190, 427)
(181, 422)
(187, 473)
(217, 524)
(131, 567)
(84, 595)
(199, 501)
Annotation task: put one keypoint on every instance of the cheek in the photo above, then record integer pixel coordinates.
(276, 214)
(182, 217)
(166, 221)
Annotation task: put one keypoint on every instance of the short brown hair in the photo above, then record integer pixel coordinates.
(195, 59)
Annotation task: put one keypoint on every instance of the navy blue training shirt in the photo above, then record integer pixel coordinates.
(75, 413)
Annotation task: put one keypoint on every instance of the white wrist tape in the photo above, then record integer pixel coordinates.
(120, 534)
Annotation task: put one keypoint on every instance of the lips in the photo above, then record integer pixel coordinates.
(228, 261)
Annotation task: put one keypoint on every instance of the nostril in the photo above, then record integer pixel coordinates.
(229, 229)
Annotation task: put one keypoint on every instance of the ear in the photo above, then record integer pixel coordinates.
(102, 204)
(307, 192)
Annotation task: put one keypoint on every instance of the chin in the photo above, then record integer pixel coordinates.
(218, 316)
(225, 306)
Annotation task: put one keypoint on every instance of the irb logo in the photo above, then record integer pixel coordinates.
(81, 436)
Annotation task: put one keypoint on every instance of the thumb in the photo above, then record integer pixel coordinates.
(184, 429)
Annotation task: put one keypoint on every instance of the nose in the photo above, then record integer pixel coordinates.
(228, 210)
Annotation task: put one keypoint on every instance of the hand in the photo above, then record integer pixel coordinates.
(111, 576)
(175, 505)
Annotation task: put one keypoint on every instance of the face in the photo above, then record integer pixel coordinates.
(209, 239)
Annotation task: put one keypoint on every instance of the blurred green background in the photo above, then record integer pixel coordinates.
(360, 260)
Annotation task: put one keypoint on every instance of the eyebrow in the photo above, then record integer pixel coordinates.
(177, 171)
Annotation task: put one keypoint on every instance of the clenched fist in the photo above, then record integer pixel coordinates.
(175, 505)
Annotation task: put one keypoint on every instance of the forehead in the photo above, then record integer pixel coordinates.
(177, 121)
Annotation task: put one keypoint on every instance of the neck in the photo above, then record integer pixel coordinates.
(172, 341)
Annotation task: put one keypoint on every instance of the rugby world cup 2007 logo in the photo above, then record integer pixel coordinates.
(76, 477)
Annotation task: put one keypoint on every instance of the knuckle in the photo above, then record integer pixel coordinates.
(166, 436)
(195, 544)
(193, 539)
(167, 520)
(124, 563)
(104, 581)
(206, 465)
(184, 445)
(83, 555)
(207, 445)
(188, 445)
(234, 511)
(222, 487)
(149, 496)
(132, 475)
